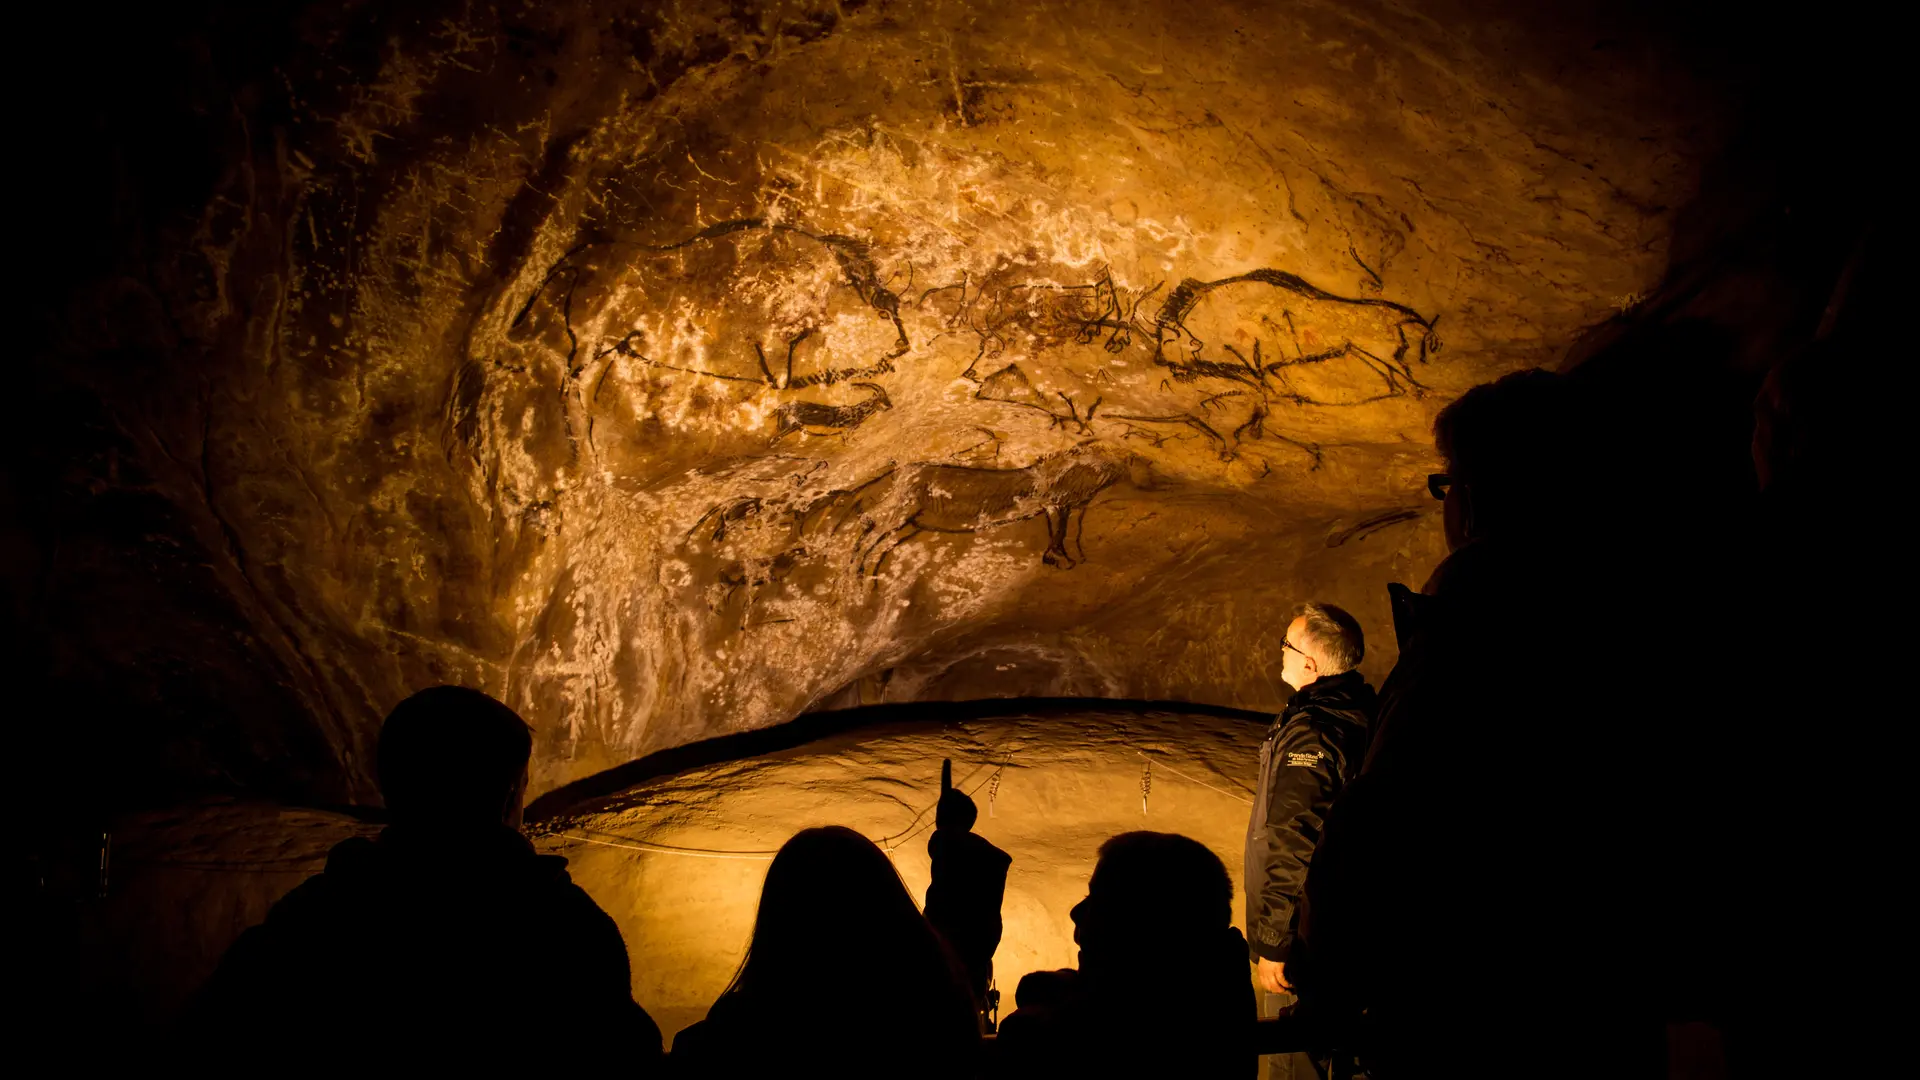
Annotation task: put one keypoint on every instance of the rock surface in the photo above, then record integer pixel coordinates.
(666, 370)
(1050, 789)
(678, 861)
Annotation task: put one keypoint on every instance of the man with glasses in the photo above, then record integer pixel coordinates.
(1488, 888)
(1311, 751)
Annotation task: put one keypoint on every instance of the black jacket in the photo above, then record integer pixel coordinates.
(1483, 879)
(1177, 1008)
(1312, 750)
(430, 949)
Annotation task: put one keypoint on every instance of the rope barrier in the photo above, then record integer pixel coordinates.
(668, 849)
(272, 866)
(914, 827)
(885, 843)
(1183, 776)
(890, 844)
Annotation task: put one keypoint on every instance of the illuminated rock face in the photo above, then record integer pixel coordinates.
(1049, 788)
(668, 374)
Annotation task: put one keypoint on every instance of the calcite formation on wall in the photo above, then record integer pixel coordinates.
(669, 369)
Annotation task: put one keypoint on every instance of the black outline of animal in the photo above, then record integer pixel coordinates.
(801, 415)
(752, 573)
(1374, 524)
(852, 255)
(901, 503)
(1180, 303)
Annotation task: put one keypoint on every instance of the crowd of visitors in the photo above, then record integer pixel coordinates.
(1491, 867)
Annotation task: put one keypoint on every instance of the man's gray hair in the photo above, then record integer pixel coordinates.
(1336, 635)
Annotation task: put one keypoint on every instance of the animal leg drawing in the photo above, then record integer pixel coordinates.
(933, 497)
(1388, 338)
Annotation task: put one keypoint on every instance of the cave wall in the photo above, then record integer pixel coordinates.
(669, 370)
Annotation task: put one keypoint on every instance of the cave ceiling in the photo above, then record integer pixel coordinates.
(670, 369)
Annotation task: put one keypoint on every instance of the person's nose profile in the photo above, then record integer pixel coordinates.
(1079, 914)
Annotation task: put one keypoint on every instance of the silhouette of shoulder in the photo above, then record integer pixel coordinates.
(401, 942)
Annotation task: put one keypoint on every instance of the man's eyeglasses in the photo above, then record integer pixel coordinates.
(1438, 483)
(1285, 645)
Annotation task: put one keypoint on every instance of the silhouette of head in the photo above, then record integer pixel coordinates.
(834, 910)
(1515, 454)
(1151, 893)
(1322, 640)
(454, 756)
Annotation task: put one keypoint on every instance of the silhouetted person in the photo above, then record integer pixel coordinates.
(1162, 985)
(1684, 492)
(968, 884)
(1311, 750)
(1482, 887)
(445, 944)
(1819, 455)
(843, 977)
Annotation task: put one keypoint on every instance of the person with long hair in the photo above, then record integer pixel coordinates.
(843, 977)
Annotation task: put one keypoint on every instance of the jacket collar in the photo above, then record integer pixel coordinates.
(1327, 688)
(1344, 698)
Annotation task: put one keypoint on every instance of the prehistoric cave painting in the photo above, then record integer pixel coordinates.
(1227, 448)
(757, 542)
(987, 449)
(806, 416)
(753, 542)
(1011, 386)
(1000, 313)
(1201, 330)
(857, 272)
(1096, 310)
(749, 302)
(1372, 525)
(771, 307)
(934, 497)
(1274, 338)
(1243, 328)
(719, 520)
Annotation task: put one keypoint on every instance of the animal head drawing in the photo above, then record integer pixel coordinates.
(879, 398)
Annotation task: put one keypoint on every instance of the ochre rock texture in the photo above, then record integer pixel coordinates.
(678, 860)
(1050, 789)
(666, 370)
